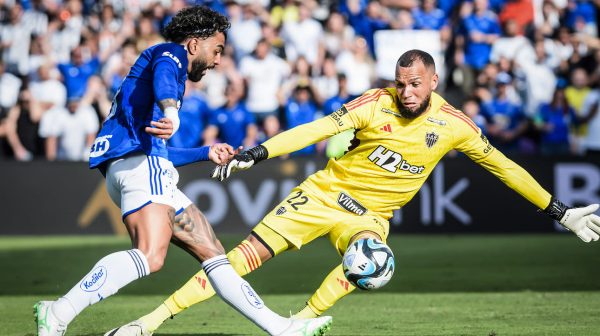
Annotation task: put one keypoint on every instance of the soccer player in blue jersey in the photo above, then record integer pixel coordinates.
(132, 154)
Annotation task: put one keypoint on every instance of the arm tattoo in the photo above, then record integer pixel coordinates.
(163, 104)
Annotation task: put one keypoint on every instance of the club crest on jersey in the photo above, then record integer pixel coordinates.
(430, 139)
(281, 211)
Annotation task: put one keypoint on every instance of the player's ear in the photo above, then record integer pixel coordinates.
(434, 81)
(192, 46)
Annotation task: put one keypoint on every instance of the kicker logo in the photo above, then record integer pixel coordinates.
(392, 161)
(351, 204)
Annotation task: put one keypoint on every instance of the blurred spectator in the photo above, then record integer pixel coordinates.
(342, 97)
(271, 35)
(509, 122)
(338, 35)
(245, 29)
(147, 32)
(553, 121)
(511, 45)
(284, 11)
(472, 109)
(8, 131)
(580, 16)
(47, 92)
(117, 66)
(547, 17)
(304, 38)
(519, 11)
(216, 81)
(358, 66)
(479, 30)
(301, 75)
(327, 83)
(232, 123)
(77, 72)
(15, 37)
(338, 144)
(193, 115)
(264, 74)
(540, 81)
(577, 90)
(591, 116)
(69, 132)
(9, 90)
(428, 17)
(62, 37)
(300, 109)
(366, 20)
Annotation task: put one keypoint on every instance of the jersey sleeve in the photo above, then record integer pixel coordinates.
(165, 68)
(474, 144)
(355, 114)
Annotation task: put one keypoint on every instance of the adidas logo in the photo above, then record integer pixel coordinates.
(343, 283)
(202, 282)
(387, 128)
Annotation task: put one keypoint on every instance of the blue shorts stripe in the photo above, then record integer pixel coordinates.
(150, 175)
(154, 175)
(159, 175)
(134, 210)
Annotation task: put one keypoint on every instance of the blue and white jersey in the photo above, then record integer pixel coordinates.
(159, 73)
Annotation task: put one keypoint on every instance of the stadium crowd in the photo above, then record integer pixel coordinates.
(526, 71)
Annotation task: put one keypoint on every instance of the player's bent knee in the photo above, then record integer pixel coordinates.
(155, 262)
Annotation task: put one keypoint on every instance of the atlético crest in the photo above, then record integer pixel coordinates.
(431, 138)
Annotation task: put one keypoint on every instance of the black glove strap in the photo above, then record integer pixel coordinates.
(258, 153)
(556, 209)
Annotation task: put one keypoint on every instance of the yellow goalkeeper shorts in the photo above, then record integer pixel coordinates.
(302, 217)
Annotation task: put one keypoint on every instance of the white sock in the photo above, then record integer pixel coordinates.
(110, 274)
(240, 295)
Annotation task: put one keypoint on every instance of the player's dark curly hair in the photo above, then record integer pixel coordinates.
(196, 21)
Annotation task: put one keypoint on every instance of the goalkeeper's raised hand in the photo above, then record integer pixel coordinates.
(581, 221)
(241, 161)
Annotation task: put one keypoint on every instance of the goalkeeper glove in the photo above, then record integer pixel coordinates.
(241, 161)
(581, 221)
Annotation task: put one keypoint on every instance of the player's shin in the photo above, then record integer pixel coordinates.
(110, 274)
(244, 259)
(241, 296)
(334, 287)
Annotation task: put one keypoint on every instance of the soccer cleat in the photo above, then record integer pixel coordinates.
(47, 323)
(135, 328)
(308, 327)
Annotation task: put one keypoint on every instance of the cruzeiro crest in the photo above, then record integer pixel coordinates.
(431, 138)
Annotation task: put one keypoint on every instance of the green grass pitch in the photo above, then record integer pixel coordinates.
(444, 285)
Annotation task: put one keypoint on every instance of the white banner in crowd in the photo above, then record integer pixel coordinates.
(390, 44)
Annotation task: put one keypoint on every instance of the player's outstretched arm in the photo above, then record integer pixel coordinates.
(581, 221)
(241, 161)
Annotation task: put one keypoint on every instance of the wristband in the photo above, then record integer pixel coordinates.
(173, 114)
(258, 153)
(556, 209)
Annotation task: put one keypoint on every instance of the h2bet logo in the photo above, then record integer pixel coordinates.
(392, 161)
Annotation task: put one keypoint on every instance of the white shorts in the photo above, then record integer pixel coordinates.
(138, 180)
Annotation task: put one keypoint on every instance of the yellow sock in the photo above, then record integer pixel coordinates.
(334, 287)
(244, 259)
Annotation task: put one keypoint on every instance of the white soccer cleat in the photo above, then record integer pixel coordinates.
(135, 328)
(308, 327)
(47, 323)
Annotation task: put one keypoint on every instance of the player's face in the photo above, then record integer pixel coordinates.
(206, 55)
(414, 85)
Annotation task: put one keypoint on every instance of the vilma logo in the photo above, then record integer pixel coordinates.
(100, 146)
(94, 280)
(251, 296)
(431, 139)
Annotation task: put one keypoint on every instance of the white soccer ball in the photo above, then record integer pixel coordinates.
(368, 263)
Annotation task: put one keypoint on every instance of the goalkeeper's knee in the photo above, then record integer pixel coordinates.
(244, 258)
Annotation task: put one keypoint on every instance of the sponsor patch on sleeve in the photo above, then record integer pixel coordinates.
(338, 114)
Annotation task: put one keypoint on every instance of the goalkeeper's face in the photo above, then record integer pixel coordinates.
(414, 85)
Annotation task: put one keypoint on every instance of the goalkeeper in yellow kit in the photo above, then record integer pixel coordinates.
(400, 135)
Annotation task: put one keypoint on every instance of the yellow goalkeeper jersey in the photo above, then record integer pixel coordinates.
(390, 156)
